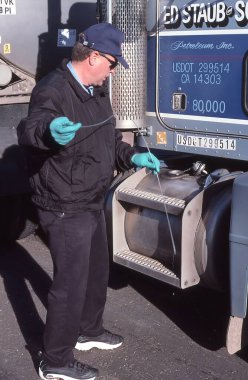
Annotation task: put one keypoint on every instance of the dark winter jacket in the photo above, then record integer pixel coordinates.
(77, 175)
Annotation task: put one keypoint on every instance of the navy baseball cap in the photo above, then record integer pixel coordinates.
(105, 38)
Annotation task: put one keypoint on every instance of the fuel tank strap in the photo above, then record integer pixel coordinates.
(150, 200)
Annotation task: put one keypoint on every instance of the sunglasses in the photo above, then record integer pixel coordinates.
(113, 64)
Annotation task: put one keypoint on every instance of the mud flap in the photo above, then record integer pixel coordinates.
(237, 334)
(238, 239)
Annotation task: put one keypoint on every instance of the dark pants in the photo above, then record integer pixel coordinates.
(76, 300)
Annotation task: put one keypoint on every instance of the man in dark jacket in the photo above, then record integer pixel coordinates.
(73, 149)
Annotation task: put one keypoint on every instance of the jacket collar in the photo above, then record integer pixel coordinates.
(83, 95)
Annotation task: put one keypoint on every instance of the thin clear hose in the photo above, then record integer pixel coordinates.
(165, 207)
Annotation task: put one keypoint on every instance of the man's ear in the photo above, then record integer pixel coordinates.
(93, 58)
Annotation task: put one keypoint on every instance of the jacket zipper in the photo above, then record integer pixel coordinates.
(46, 178)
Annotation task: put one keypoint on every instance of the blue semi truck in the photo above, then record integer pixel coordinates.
(185, 99)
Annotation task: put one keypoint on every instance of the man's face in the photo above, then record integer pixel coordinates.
(104, 65)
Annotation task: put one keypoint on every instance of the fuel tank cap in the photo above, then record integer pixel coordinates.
(5, 75)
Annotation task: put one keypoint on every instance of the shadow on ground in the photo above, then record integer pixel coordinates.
(18, 269)
(200, 313)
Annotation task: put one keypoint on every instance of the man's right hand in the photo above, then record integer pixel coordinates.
(63, 130)
(146, 160)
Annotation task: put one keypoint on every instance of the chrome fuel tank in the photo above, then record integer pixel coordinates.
(175, 230)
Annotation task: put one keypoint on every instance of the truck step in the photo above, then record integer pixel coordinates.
(150, 200)
(146, 265)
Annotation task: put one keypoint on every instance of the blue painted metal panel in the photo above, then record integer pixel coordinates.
(202, 65)
(208, 69)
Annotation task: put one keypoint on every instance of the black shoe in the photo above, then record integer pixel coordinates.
(105, 341)
(72, 371)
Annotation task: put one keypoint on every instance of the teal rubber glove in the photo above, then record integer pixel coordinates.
(146, 160)
(63, 130)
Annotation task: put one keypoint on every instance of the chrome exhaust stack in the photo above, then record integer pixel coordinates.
(129, 86)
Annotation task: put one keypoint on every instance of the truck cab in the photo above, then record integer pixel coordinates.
(188, 90)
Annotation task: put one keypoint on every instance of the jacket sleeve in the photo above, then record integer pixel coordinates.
(33, 131)
(123, 153)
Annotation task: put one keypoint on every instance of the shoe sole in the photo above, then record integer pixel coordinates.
(102, 346)
(54, 376)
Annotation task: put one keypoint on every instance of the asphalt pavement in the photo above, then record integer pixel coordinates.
(169, 334)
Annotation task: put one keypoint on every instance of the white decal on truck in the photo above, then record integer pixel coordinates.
(66, 37)
(7, 7)
(215, 14)
(206, 142)
(6, 49)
